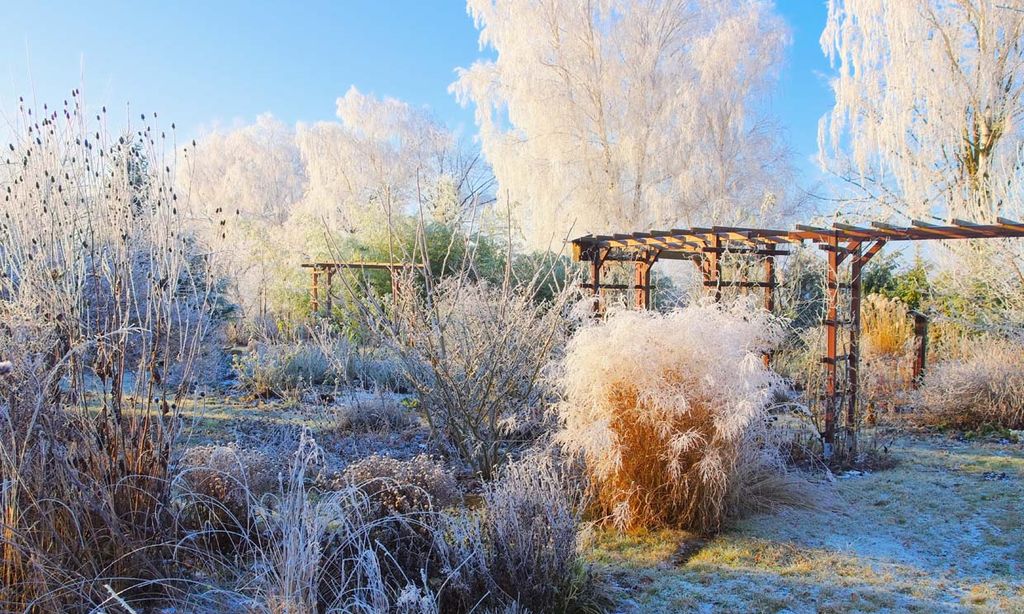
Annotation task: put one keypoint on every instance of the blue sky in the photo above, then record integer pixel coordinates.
(205, 63)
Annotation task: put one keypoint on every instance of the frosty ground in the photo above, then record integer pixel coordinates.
(942, 530)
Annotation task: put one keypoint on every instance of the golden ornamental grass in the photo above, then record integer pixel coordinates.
(662, 407)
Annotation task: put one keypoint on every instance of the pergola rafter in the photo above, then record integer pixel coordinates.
(843, 244)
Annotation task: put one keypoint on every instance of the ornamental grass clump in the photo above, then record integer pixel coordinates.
(887, 343)
(887, 330)
(664, 407)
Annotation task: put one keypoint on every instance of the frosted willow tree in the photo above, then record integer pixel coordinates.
(928, 103)
(382, 159)
(610, 114)
(243, 184)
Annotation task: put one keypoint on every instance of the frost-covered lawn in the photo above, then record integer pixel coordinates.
(943, 531)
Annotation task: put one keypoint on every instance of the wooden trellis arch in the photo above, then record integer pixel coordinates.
(844, 244)
(322, 277)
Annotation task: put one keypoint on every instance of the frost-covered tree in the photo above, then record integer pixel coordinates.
(928, 107)
(254, 169)
(270, 197)
(385, 158)
(608, 115)
(243, 184)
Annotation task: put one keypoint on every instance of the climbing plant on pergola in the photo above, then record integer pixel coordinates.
(845, 246)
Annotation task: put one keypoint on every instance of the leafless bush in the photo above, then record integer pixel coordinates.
(85, 502)
(664, 408)
(475, 355)
(985, 387)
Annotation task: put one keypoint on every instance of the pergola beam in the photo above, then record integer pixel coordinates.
(687, 239)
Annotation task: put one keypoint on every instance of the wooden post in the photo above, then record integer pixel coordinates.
(638, 284)
(920, 346)
(716, 267)
(315, 291)
(831, 338)
(327, 292)
(596, 263)
(853, 361)
(642, 281)
(769, 293)
(769, 278)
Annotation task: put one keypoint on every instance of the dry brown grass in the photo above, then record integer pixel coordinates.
(887, 337)
(985, 387)
(85, 501)
(886, 329)
(656, 493)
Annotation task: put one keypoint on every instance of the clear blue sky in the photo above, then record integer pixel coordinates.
(217, 62)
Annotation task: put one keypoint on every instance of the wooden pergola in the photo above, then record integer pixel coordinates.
(844, 244)
(327, 270)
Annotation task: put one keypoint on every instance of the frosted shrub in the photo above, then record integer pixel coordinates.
(379, 415)
(379, 368)
(474, 354)
(521, 550)
(282, 369)
(404, 486)
(660, 406)
(319, 551)
(410, 493)
(219, 485)
(984, 387)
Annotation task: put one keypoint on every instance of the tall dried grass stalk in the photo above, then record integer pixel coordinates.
(886, 329)
(887, 347)
(104, 300)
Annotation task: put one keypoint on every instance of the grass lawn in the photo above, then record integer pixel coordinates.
(942, 531)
